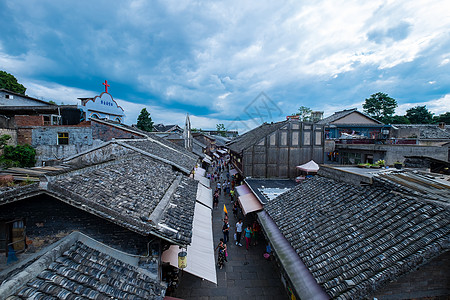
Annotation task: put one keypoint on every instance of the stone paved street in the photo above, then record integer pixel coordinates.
(246, 275)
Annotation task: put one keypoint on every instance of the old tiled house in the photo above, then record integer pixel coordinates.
(275, 149)
(135, 196)
(388, 240)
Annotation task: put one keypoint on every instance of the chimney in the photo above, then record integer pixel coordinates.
(442, 125)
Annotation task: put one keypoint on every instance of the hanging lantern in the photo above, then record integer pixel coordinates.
(182, 259)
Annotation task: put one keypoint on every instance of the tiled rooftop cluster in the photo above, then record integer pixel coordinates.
(428, 131)
(84, 273)
(414, 183)
(12, 193)
(356, 239)
(159, 147)
(132, 186)
(249, 138)
(180, 211)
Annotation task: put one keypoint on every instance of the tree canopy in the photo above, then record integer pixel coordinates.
(221, 129)
(9, 82)
(445, 117)
(419, 115)
(144, 121)
(400, 120)
(380, 106)
(304, 113)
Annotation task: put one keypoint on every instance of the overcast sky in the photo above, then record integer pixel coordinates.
(232, 62)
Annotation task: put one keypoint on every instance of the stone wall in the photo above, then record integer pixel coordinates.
(430, 281)
(12, 133)
(48, 219)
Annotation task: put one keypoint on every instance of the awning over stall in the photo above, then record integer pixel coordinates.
(248, 201)
(222, 151)
(200, 171)
(204, 195)
(216, 155)
(207, 160)
(202, 179)
(200, 254)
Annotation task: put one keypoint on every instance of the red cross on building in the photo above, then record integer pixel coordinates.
(106, 85)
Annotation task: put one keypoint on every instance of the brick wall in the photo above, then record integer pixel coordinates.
(430, 281)
(22, 121)
(24, 136)
(107, 133)
(48, 220)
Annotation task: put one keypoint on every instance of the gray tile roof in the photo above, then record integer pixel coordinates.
(13, 193)
(340, 114)
(424, 185)
(427, 131)
(356, 239)
(81, 272)
(127, 191)
(251, 137)
(172, 153)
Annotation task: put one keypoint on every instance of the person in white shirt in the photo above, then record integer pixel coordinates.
(239, 225)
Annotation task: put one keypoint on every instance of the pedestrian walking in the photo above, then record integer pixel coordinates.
(221, 254)
(248, 236)
(256, 228)
(226, 232)
(235, 209)
(239, 225)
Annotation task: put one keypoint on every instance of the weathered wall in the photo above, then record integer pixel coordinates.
(429, 281)
(48, 136)
(278, 154)
(344, 176)
(18, 100)
(98, 155)
(393, 153)
(12, 133)
(106, 132)
(48, 219)
(22, 121)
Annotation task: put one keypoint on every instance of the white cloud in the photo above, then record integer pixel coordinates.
(436, 106)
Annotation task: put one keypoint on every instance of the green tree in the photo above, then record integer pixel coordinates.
(221, 129)
(419, 115)
(9, 82)
(304, 113)
(400, 120)
(4, 140)
(21, 156)
(144, 121)
(380, 106)
(445, 117)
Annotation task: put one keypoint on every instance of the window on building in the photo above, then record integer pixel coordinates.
(318, 141)
(63, 138)
(9, 96)
(273, 139)
(52, 120)
(294, 140)
(283, 138)
(307, 138)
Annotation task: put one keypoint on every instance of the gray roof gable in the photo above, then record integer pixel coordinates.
(343, 113)
(251, 137)
(127, 191)
(356, 239)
